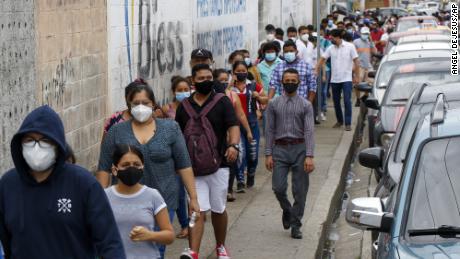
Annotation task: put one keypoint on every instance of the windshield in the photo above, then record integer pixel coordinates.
(409, 24)
(404, 85)
(436, 191)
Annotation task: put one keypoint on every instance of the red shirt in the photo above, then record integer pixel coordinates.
(376, 36)
(244, 100)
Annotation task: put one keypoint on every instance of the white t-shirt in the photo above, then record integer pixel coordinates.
(341, 61)
(305, 51)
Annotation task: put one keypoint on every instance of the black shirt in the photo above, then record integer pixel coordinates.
(222, 117)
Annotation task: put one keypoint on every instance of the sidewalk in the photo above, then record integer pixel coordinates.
(255, 229)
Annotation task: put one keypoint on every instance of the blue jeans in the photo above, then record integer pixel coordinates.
(324, 90)
(347, 88)
(182, 212)
(250, 160)
(162, 248)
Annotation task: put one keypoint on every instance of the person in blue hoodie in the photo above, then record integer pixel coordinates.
(50, 208)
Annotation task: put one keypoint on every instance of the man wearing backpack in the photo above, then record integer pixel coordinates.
(206, 119)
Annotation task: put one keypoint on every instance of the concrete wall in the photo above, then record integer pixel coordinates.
(17, 63)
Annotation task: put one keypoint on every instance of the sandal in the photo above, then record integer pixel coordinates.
(183, 234)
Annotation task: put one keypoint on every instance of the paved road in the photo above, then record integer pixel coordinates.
(255, 229)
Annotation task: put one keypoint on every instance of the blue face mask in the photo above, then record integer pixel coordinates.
(247, 61)
(270, 57)
(182, 95)
(290, 57)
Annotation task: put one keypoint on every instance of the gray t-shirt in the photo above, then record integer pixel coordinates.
(133, 210)
(364, 49)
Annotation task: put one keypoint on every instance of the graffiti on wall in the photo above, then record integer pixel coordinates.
(160, 48)
(222, 41)
(206, 8)
(53, 89)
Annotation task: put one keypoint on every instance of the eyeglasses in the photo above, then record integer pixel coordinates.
(43, 143)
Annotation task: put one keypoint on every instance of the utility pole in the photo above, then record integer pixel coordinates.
(318, 53)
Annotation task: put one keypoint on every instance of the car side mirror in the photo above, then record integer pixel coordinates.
(372, 103)
(364, 87)
(367, 214)
(371, 157)
(371, 74)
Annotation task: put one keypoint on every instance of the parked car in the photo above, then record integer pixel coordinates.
(388, 11)
(420, 218)
(406, 23)
(403, 83)
(387, 66)
(424, 38)
(395, 36)
(429, 8)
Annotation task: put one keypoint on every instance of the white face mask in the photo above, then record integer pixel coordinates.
(270, 37)
(304, 37)
(39, 158)
(141, 112)
(294, 39)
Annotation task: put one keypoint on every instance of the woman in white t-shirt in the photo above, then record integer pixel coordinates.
(138, 209)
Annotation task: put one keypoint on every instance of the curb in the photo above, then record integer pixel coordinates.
(329, 197)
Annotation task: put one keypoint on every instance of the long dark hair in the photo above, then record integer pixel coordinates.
(123, 149)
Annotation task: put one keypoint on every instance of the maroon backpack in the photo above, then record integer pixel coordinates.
(201, 139)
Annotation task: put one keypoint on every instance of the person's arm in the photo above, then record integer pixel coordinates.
(101, 223)
(356, 66)
(269, 136)
(312, 84)
(183, 166)
(165, 236)
(234, 137)
(319, 65)
(241, 115)
(275, 81)
(105, 159)
(260, 95)
(309, 139)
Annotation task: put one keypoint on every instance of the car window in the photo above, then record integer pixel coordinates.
(409, 24)
(436, 191)
(407, 129)
(403, 85)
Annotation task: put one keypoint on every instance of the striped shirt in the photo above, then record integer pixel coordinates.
(307, 78)
(289, 117)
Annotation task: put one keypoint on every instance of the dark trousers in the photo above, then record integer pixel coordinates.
(285, 158)
(347, 89)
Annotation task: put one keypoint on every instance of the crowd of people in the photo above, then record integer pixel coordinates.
(183, 158)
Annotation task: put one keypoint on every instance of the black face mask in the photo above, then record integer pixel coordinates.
(241, 76)
(204, 87)
(130, 176)
(290, 87)
(220, 87)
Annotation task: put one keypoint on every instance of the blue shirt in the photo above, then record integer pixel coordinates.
(324, 44)
(266, 72)
(307, 78)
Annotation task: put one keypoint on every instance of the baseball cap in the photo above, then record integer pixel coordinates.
(201, 53)
(365, 30)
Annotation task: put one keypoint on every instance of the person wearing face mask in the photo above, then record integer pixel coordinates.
(45, 200)
(208, 118)
(181, 89)
(365, 48)
(352, 31)
(250, 94)
(307, 86)
(376, 36)
(303, 52)
(345, 72)
(140, 212)
(290, 145)
(163, 147)
(279, 34)
(253, 70)
(269, 63)
(222, 76)
(309, 54)
(271, 32)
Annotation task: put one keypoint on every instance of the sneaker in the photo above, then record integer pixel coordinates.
(250, 181)
(240, 188)
(188, 254)
(358, 102)
(348, 128)
(337, 125)
(322, 116)
(230, 197)
(222, 253)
